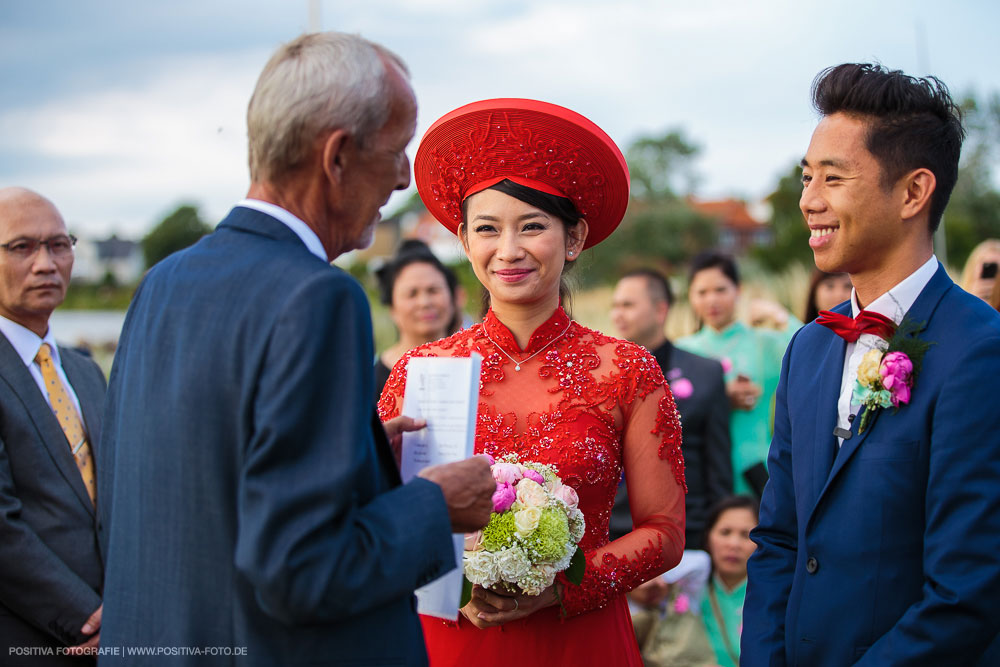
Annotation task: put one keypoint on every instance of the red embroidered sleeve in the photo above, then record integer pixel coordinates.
(654, 472)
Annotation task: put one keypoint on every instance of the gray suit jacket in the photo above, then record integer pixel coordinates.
(51, 571)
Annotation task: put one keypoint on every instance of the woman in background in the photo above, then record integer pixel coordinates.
(420, 292)
(727, 541)
(980, 272)
(826, 290)
(751, 360)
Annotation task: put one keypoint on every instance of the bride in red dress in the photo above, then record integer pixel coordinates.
(527, 185)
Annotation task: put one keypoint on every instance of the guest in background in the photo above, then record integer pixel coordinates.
(727, 541)
(641, 303)
(51, 572)
(751, 360)
(421, 294)
(769, 314)
(692, 616)
(980, 272)
(826, 290)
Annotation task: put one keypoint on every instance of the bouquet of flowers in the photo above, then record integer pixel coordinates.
(532, 534)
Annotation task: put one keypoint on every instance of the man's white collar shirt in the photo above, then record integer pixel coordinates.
(26, 344)
(894, 304)
(301, 229)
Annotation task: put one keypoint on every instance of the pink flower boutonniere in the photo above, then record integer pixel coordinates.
(885, 377)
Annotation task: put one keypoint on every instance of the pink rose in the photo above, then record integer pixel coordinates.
(897, 375)
(507, 473)
(474, 541)
(503, 497)
(533, 475)
(682, 388)
(568, 495)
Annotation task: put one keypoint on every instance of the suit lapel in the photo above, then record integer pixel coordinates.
(921, 312)
(15, 374)
(827, 395)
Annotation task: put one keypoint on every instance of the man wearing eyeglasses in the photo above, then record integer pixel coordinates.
(51, 573)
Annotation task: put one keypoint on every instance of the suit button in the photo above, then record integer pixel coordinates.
(812, 565)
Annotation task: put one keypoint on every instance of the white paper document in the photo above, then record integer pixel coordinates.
(445, 392)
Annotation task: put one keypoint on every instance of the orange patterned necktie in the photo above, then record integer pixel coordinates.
(69, 420)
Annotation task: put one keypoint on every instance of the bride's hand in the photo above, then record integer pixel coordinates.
(489, 608)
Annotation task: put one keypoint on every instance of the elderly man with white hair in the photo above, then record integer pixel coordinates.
(253, 511)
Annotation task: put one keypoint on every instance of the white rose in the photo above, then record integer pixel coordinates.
(531, 494)
(526, 520)
(481, 568)
(512, 563)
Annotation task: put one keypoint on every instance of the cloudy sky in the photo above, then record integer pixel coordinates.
(119, 111)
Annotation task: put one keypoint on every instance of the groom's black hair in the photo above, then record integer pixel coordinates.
(912, 122)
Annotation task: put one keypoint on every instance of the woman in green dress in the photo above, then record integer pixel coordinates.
(751, 359)
(727, 541)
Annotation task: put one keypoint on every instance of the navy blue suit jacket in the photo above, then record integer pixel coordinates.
(251, 500)
(886, 551)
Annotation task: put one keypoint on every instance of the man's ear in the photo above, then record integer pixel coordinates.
(336, 154)
(662, 310)
(918, 185)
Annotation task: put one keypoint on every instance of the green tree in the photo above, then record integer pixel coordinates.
(791, 235)
(659, 229)
(973, 212)
(175, 232)
(662, 166)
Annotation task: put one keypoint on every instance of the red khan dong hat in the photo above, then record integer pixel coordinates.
(534, 144)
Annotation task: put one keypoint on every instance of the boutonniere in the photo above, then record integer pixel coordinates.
(886, 377)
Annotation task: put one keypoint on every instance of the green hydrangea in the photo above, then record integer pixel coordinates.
(499, 532)
(549, 540)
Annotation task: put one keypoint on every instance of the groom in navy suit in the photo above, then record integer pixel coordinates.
(251, 506)
(879, 535)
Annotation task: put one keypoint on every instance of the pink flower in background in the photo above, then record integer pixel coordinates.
(682, 604)
(897, 375)
(507, 473)
(682, 388)
(503, 497)
(727, 364)
(533, 475)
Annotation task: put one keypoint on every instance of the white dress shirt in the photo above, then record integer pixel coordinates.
(27, 343)
(301, 229)
(894, 304)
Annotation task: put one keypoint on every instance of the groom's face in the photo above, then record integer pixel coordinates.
(854, 219)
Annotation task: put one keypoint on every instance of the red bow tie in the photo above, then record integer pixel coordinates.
(851, 328)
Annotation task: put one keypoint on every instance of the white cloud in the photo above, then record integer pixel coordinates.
(118, 158)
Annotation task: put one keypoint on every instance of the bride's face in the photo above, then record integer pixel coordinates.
(516, 250)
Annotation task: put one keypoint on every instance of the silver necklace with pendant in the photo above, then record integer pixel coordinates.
(517, 364)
